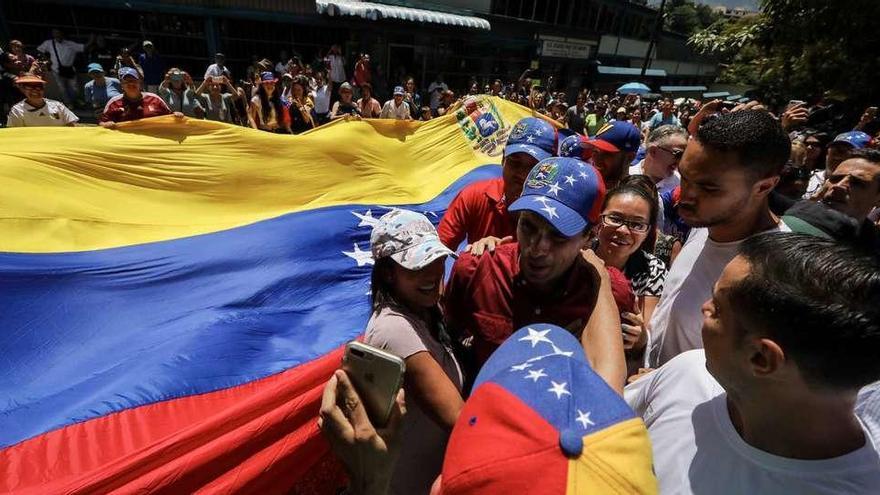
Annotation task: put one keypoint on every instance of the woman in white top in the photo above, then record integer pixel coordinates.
(266, 111)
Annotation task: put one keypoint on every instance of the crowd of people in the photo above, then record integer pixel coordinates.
(719, 265)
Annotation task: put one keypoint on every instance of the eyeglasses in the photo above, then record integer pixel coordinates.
(676, 154)
(615, 222)
(31, 86)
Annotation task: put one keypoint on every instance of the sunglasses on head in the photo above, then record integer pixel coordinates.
(31, 85)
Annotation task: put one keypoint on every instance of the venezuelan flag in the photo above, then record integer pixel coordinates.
(173, 296)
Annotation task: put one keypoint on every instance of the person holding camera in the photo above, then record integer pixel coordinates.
(178, 91)
(62, 54)
(124, 59)
(219, 106)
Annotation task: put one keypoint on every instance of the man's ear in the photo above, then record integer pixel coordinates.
(765, 185)
(766, 357)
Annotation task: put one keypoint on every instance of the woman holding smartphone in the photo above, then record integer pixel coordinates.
(407, 322)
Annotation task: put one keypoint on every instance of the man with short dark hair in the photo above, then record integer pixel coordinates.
(791, 333)
(727, 173)
(838, 150)
(576, 115)
(546, 276)
(665, 116)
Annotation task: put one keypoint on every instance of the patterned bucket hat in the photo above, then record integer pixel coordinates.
(409, 238)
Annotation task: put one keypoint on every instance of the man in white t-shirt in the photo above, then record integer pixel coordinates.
(435, 90)
(396, 108)
(727, 173)
(62, 53)
(35, 110)
(791, 334)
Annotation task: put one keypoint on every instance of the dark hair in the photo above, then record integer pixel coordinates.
(643, 187)
(867, 154)
(381, 291)
(757, 139)
(818, 300)
(266, 100)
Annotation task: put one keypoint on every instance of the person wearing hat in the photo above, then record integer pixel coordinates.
(407, 321)
(614, 145)
(267, 112)
(100, 89)
(179, 92)
(133, 104)
(218, 68)
(35, 110)
(791, 332)
(153, 66)
(125, 59)
(547, 275)
(479, 211)
(345, 106)
(837, 151)
(540, 421)
(396, 108)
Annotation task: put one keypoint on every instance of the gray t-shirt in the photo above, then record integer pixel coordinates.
(397, 331)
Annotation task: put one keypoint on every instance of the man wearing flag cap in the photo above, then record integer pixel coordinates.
(540, 421)
(479, 212)
(546, 276)
(614, 146)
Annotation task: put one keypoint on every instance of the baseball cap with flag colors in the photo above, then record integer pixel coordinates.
(541, 421)
(534, 136)
(617, 136)
(409, 238)
(575, 146)
(566, 192)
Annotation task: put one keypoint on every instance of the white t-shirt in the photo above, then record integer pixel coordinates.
(434, 90)
(51, 114)
(697, 449)
(677, 320)
(321, 97)
(817, 178)
(392, 111)
(215, 70)
(337, 68)
(67, 51)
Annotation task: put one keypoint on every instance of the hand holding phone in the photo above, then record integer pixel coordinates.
(377, 377)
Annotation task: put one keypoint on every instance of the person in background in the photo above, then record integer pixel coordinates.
(179, 92)
(447, 99)
(791, 332)
(133, 104)
(665, 147)
(625, 238)
(666, 116)
(636, 118)
(266, 110)
(596, 119)
(100, 89)
(575, 116)
(153, 65)
(479, 211)
(412, 97)
(321, 95)
(100, 53)
(336, 65)
(395, 108)
(620, 115)
(435, 91)
(368, 106)
(218, 68)
(124, 59)
(614, 146)
(426, 114)
(62, 53)
(345, 105)
(407, 321)
(794, 177)
(299, 105)
(362, 73)
(281, 65)
(217, 105)
(854, 189)
(838, 151)
(35, 110)
(728, 171)
(13, 63)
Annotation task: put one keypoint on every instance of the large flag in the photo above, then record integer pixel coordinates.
(173, 296)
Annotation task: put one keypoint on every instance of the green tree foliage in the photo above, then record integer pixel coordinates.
(686, 17)
(801, 48)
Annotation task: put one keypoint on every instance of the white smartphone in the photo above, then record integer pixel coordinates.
(377, 376)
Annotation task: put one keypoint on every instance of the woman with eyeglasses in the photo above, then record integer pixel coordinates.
(625, 240)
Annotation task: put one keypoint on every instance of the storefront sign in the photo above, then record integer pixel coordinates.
(565, 49)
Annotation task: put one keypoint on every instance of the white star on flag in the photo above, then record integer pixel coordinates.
(534, 375)
(367, 219)
(559, 352)
(584, 175)
(584, 419)
(554, 188)
(541, 199)
(530, 139)
(532, 152)
(570, 179)
(521, 367)
(559, 389)
(551, 210)
(362, 257)
(538, 132)
(535, 336)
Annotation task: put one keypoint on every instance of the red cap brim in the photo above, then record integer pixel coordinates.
(603, 145)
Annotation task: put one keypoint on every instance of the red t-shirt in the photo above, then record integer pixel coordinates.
(476, 213)
(121, 109)
(488, 298)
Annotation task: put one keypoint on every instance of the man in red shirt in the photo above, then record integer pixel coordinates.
(479, 212)
(546, 276)
(133, 104)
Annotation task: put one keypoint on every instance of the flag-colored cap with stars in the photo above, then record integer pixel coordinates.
(576, 146)
(534, 136)
(566, 192)
(541, 421)
(617, 136)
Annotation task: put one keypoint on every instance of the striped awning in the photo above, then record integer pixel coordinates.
(683, 89)
(378, 11)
